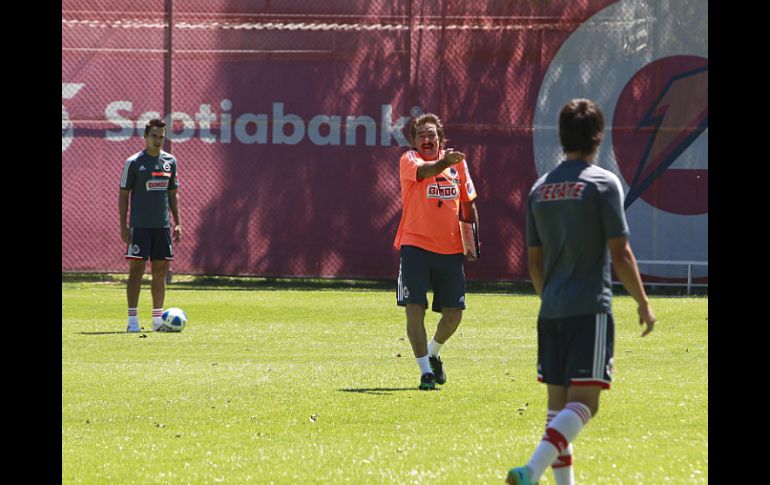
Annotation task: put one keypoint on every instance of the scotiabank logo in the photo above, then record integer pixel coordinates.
(68, 91)
(223, 125)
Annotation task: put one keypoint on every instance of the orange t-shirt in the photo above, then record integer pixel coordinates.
(425, 223)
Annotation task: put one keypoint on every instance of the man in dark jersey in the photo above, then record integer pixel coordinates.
(149, 180)
(575, 227)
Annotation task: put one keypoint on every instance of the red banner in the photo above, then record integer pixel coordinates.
(288, 120)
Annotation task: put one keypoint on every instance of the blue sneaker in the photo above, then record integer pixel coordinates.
(519, 476)
(132, 328)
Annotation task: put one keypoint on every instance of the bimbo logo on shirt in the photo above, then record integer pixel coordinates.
(436, 191)
(156, 184)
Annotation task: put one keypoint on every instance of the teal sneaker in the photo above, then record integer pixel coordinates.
(519, 476)
(427, 382)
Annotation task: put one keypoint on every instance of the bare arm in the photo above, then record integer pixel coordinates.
(173, 206)
(625, 266)
(431, 169)
(125, 233)
(535, 266)
(470, 213)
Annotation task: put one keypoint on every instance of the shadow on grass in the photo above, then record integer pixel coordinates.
(112, 333)
(256, 283)
(381, 391)
(213, 282)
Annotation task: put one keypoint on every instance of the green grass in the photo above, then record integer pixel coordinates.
(319, 386)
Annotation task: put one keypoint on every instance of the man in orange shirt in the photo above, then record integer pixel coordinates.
(435, 183)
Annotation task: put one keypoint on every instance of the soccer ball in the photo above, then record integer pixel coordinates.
(174, 320)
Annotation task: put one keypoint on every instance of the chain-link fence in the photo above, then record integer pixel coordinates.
(287, 119)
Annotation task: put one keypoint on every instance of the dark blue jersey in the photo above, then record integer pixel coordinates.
(572, 211)
(149, 179)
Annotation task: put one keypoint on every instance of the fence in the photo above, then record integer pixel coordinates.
(287, 118)
(688, 264)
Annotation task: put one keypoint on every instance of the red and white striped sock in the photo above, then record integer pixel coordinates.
(563, 472)
(157, 316)
(563, 429)
(133, 315)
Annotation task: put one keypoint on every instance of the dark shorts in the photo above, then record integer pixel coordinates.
(444, 272)
(576, 351)
(154, 244)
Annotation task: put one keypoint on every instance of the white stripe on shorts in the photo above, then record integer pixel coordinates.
(600, 345)
(400, 294)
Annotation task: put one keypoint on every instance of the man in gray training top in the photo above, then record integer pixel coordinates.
(149, 179)
(575, 225)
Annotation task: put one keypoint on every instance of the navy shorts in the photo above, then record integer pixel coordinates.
(444, 272)
(576, 351)
(150, 243)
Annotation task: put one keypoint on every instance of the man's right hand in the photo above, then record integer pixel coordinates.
(453, 157)
(125, 234)
(646, 317)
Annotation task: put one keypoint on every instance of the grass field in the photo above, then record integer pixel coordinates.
(314, 386)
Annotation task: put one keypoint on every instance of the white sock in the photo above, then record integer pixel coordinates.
(563, 472)
(424, 365)
(563, 429)
(157, 316)
(434, 347)
(132, 316)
